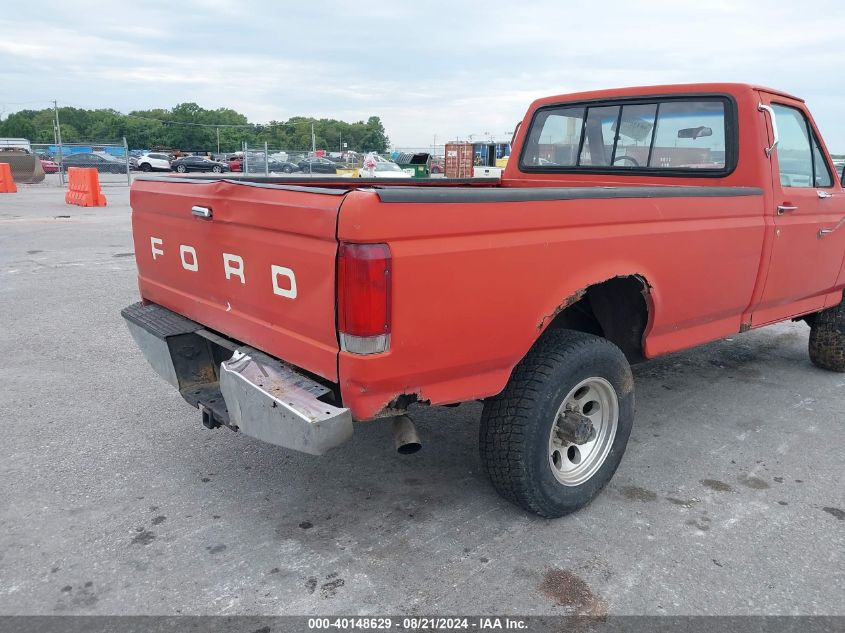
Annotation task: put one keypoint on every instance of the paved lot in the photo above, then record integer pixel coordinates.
(114, 499)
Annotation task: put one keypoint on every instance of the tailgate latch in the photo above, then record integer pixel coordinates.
(202, 212)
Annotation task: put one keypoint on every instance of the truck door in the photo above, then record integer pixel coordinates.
(808, 201)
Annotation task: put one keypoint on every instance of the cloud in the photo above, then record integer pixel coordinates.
(448, 69)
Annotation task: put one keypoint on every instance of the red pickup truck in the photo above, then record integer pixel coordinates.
(628, 224)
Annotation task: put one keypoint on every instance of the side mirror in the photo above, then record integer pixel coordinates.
(695, 132)
(842, 180)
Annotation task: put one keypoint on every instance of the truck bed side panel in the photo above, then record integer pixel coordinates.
(475, 282)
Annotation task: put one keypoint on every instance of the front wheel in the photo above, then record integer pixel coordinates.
(555, 436)
(146, 167)
(827, 338)
(217, 169)
(181, 169)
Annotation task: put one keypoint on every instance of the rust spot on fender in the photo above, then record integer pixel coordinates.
(399, 405)
(571, 299)
(579, 294)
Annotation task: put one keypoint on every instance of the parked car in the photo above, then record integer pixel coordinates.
(49, 166)
(197, 163)
(640, 234)
(153, 161)
(385, 170)
(317, 165)
(101, 161)
(255, 165)
(283, 167)
(840, 169)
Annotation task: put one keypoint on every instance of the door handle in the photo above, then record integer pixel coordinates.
(823, 232)
(202, 212)
(786, 208)
(824, 194)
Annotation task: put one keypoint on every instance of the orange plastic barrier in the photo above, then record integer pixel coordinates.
(83, 185)
(7, 185)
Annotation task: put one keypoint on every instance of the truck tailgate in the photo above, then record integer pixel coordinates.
(260, 269)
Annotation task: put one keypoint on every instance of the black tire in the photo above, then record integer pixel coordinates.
(516, 425)
(181, 169)
(217, 169)
(827, 338)
(146, 167)
(287, 169)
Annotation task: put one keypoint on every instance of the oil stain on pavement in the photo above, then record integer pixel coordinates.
(570, 591)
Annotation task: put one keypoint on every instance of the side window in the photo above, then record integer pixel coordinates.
(795, 157)
(689, 135)
(821, 172)
(555, 138)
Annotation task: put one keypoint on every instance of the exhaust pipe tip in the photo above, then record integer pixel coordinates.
(405, 435)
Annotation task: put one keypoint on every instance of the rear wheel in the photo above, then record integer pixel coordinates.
(555, 436)
(827, 338)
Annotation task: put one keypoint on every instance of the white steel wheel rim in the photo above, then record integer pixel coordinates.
(574, 464)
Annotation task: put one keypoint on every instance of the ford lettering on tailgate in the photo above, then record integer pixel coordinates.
(233, 266)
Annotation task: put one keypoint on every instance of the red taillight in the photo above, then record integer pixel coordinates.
(363, 297)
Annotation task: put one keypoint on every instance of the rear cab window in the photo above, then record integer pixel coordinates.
(690, 136)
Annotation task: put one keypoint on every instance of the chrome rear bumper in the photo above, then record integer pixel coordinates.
(238, 386)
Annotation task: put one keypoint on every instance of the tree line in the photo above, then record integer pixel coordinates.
(189, 127)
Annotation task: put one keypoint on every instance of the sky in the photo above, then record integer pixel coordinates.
(433, 71)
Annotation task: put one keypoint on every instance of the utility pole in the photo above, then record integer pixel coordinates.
(59, 139)
(126, 157)
(218, 139)
(313, 139)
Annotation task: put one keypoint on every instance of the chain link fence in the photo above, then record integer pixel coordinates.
(273, 161)
(111, 160)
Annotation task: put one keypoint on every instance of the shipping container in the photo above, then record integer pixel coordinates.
(458, 162)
